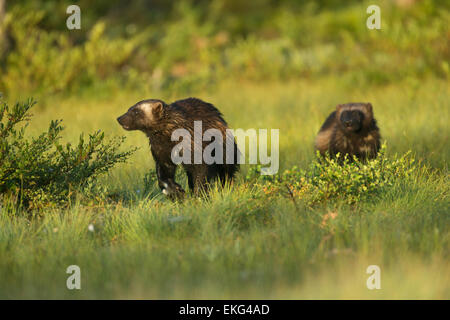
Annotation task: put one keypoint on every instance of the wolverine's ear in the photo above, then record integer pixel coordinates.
(338, 107)
(157, 109)
(369, 108)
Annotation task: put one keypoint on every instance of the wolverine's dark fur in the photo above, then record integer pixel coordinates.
(351, 129)
(158, 120)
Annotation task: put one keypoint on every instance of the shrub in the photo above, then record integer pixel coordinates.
(51, 61)
(40, 171)
(329, 179)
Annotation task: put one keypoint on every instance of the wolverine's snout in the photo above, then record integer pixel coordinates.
(120, 120)
(123, 121)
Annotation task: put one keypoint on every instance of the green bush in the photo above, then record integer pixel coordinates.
(50, 61)
(338, 179)
(40, 171)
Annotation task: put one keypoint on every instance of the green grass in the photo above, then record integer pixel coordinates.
(238, 243)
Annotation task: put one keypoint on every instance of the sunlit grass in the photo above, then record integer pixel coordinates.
(234, 243)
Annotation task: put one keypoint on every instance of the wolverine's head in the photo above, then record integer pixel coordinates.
(352, 117)
(143, 115)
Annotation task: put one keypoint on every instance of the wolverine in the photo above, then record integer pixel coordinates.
(159, 121)
(350, 130)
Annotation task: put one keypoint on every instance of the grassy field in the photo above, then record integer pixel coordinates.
(235, 244)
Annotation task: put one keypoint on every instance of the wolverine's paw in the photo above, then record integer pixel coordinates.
(174, 192)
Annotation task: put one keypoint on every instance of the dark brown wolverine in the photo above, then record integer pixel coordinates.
(352, 130)
(158, 121)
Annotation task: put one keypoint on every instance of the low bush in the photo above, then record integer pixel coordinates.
(41, 171)
(337, 179)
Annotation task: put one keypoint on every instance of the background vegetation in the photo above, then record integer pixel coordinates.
(264, 64)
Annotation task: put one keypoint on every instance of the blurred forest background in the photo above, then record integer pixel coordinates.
(182, 46)
(265, 64)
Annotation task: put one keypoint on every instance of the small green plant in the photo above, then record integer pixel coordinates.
(40, 171)
(150, 181)
(331, 179)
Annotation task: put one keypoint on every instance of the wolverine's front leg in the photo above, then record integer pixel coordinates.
(166, 180)
(201, 179)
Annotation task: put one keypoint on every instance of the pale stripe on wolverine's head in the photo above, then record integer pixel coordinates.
(365, 108)
(152, 108)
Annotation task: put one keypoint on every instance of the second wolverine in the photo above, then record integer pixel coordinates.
(352, 130)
